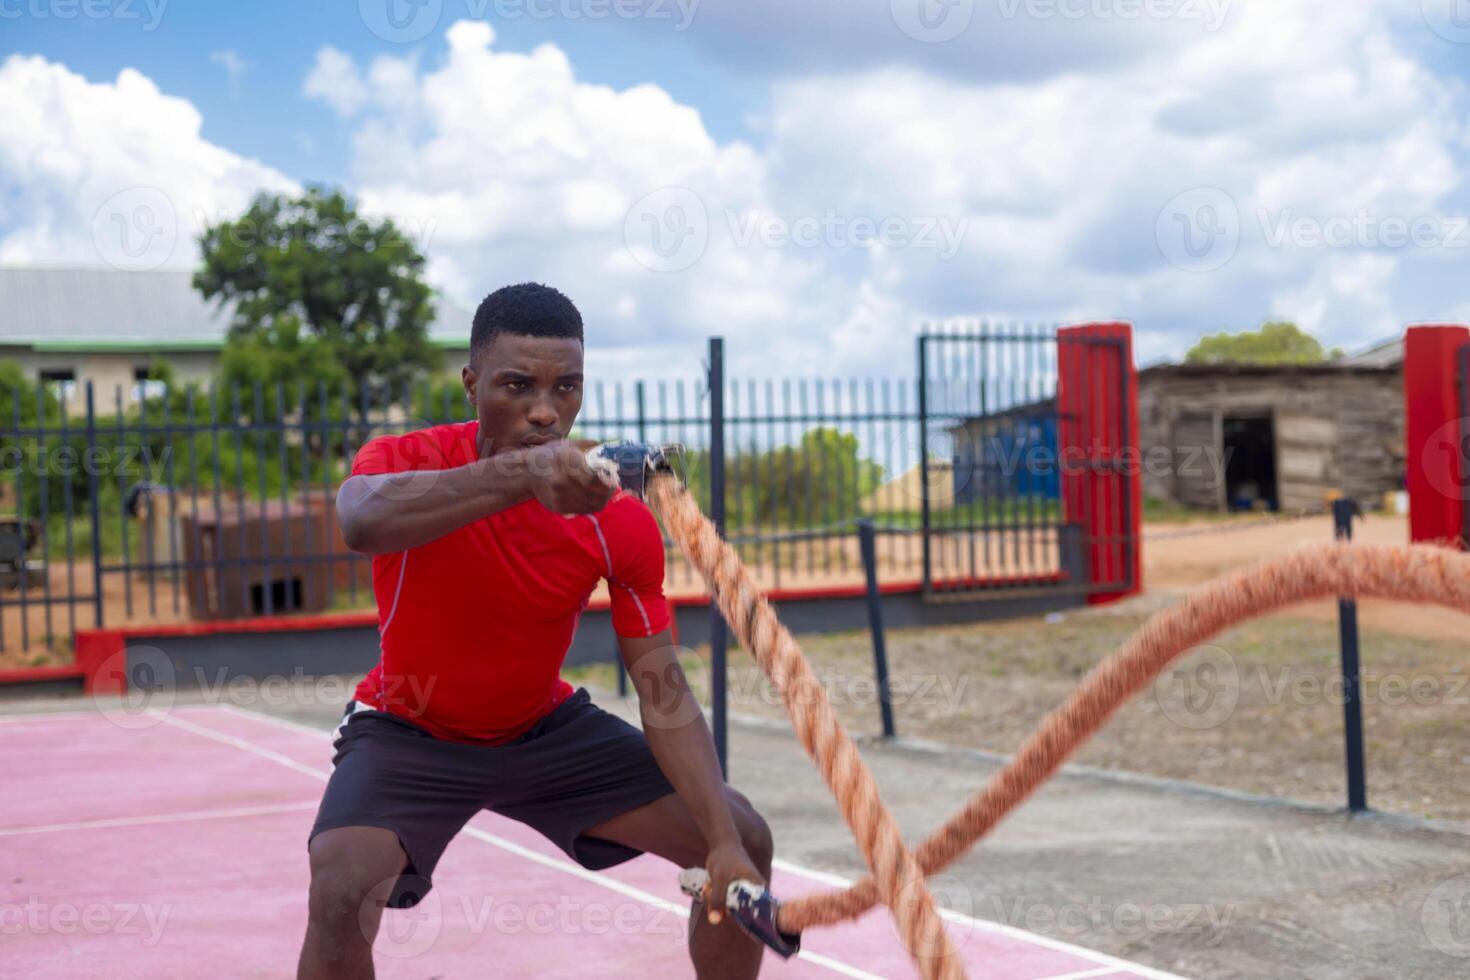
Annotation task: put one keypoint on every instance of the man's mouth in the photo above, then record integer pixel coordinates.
(538, 440)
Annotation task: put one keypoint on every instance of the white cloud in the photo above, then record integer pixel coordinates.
(1049, 173)
(334, 79)
(110, 171)
(234, 66)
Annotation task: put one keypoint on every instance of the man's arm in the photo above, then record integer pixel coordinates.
(386, 512)
(674, 725)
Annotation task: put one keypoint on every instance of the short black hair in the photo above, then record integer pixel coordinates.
(526, 309)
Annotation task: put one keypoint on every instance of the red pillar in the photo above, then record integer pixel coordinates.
(100, 654)
(1097, 443)
(1434, 433)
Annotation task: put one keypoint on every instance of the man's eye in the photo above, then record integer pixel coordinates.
(517, 385)
(569, 386)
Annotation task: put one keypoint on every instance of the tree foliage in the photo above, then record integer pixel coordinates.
(1276, 342)
(320, 294)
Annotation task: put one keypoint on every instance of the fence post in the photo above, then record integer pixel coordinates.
(924, 460)
(1463, 383)
(94, 491)
(717, 635)
(1343, 511)
(639, 403)
(868, 540)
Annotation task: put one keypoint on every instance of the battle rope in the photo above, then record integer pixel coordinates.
(896, 874)
(1420, 573)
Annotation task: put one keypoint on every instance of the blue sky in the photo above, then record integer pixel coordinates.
(813, 180)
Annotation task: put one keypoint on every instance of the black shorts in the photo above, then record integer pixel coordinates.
(574, 769)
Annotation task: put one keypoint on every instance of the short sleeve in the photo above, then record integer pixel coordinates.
(420, 450)
(636, 583)
(378, 455)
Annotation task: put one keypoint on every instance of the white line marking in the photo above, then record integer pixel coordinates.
(1101, 971)
(244, 811)
(511, 847)
(244, 745)
(983, 925)
(286, 723)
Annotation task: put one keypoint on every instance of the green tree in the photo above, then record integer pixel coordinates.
(1276, 342)
(320, 294)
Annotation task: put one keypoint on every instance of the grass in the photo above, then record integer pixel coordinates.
(1257, 709)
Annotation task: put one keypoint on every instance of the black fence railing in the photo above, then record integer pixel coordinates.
(146, 505)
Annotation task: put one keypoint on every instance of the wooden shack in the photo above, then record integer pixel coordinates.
(1289, 438)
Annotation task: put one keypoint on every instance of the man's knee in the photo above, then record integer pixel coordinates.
(353, 870)
(755, 833)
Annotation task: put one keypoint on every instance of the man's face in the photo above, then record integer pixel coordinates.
(526, 390)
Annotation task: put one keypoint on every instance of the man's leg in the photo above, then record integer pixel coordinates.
(353, 870)
(665, 827)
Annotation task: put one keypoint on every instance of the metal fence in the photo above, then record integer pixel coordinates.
(212, 503)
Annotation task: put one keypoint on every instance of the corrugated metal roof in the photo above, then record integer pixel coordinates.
(1389, 353)
(84, 306)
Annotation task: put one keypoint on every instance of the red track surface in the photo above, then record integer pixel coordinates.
(173, 844)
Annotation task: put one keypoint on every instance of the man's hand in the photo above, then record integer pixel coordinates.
(560, 478)
(725, 864)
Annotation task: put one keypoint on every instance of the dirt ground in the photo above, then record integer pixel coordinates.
(1259, 709)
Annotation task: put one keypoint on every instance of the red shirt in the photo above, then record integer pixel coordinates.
(474, 626)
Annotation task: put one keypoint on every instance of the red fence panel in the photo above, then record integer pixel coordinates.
(1434, 433)
(1097, 443)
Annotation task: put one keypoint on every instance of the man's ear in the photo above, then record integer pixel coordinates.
(467, 375)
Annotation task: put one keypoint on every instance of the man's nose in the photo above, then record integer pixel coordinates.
(543, 413)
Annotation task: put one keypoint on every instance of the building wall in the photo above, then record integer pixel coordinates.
(110, 371)
(1366, 453)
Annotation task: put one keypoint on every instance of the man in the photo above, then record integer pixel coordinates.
(487, 540)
